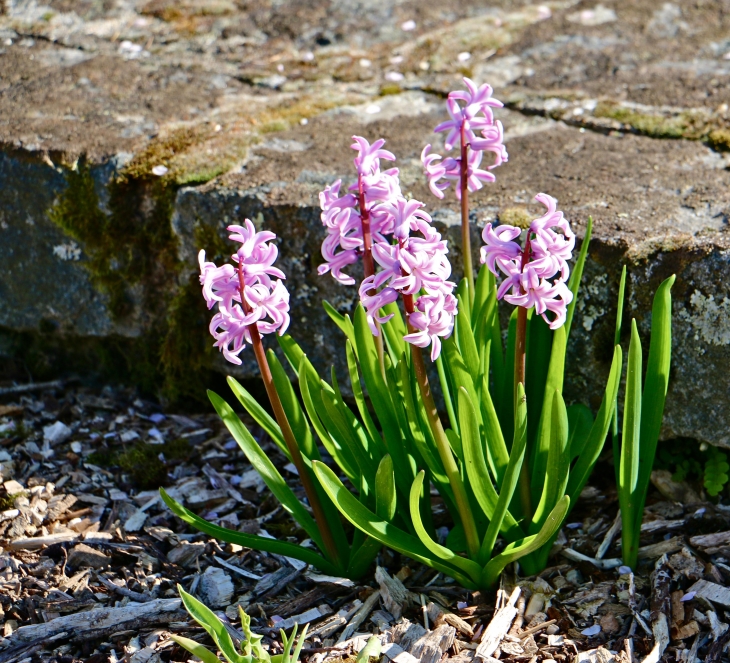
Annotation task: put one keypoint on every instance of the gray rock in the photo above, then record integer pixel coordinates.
(160, 137)
(56, 433)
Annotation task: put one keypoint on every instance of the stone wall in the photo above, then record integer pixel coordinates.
(132, 136)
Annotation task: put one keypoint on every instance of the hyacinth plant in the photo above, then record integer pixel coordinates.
(509, 460)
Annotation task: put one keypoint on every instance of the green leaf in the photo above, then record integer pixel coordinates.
(497, 454)
(536, 371)
(476, 468)
(514, 551)
(394, 330)
(593, 444)
(261, 416)
(465, 341)
(342, 321)
(558, 464)
(446, 393)
(577, 275)
(378, 391)
(261, 463)
(311, 389)
(511, 479)
(362, 406)
(655, 386)
(292, 409)
(462, 291)
(387, 533)
(196, 649)
(213, 625)
(385, 496)
(348, 432)
(631, 437)
(629, 499)
(503, 394)
(554, 383)
(617, 341)
(249, 540)
(472, 569)
(482, 290)
(580, 421)
(370, 650)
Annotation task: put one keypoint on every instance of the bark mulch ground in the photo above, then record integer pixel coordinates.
(90, 557)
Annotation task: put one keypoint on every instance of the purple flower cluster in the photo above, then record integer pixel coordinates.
(342, 216)
(414, 265)
(471, 124)
(246, 295)
(537, 274)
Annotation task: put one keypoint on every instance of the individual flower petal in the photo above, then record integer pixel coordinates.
(368, 157)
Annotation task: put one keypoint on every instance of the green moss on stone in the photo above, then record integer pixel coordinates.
(657, 126)
(719, 139)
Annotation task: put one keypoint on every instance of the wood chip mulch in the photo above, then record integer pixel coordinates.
(90, 558)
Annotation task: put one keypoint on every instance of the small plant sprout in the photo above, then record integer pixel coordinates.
(473, 128)
(251, 650)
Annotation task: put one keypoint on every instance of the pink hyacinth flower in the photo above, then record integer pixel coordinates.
(264, 301)
(536, 275)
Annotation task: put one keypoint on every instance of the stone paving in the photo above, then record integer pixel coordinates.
(133, 132)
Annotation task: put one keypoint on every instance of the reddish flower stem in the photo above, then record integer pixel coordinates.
(465, 236)
(520, 357)
(368, 265)
(287, 432)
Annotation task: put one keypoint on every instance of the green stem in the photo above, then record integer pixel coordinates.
(442, 442)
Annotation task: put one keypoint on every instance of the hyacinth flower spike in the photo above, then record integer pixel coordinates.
(361, 218)
(535, 277)
(252, 301)
(472, 126)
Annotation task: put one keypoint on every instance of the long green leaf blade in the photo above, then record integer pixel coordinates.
(196, 649)
(630, 450)
(249, 540)
(577, 275)
(655, 385)
(511, 479)
(385, 532)
(472, 569)
(265, 468)
(514, 551)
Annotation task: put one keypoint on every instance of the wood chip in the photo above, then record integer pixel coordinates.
(498, 627)
(130, 616)
(216, 588)
(360, 616)
(394, 593)
(41, 541)
(712, 592)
